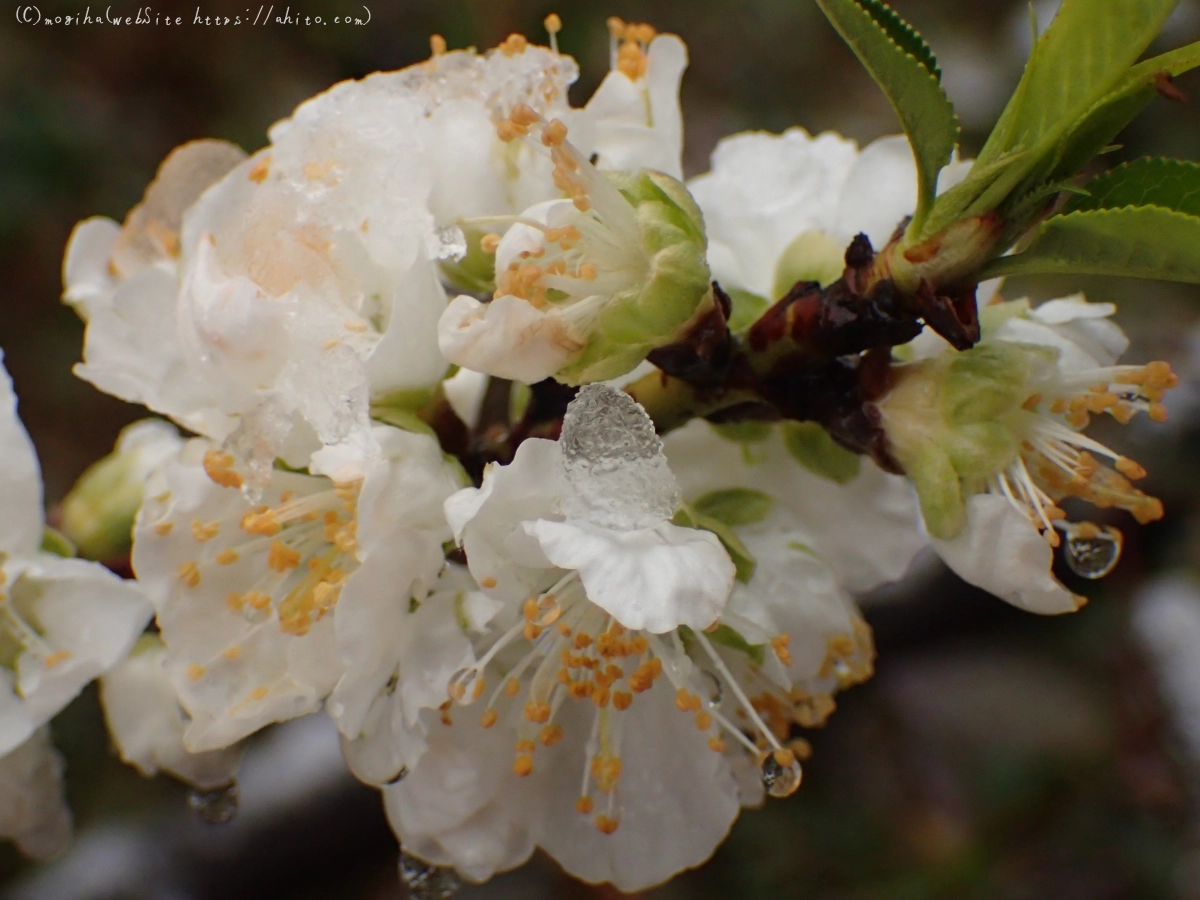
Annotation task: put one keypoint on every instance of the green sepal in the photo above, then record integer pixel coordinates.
(979, 447)
(743, 560)
(475, 273)
(904, 67)
(1134, 241)
(519, 396)
(735, 506)
(726, 636)
(811, 446)
(677, 288)
(747, 307)
(811, 256)
(57, 543)
(401, 418)
(939, 489)
(988, 381)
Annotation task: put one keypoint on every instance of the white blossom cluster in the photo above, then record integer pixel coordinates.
(604, 648)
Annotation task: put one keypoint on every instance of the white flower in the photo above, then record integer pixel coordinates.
(866, 529)
(992, 439)
(399, 663)
(633, 121)
(767, 193)
(586, 287)
(123, 280)
(307, 289)
(245, 593)
(147, 724)
(634, 705)
(63, 621)
(33, 811)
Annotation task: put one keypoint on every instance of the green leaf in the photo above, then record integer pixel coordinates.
(1135, 241)
(812, 447)
(743, 560)
(902, 64)
(1080, 88)
(1079, 59)
(735, 506)
(1169, 183)
(1108, 117)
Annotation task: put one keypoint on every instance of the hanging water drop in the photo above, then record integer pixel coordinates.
(1091, 553)
(425, 881)
(215, 806)
(781, 773)
(447, 244)
(715, 689)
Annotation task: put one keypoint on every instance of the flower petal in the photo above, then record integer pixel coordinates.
(652, 579)
(1001, 552)
(20, 478)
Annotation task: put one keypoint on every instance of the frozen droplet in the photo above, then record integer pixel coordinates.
(215, 806)
(447, 243)
(615, 466)
(1091, 555)
(425, 881)
(781, 773)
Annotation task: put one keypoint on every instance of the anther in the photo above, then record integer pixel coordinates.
(189, 574)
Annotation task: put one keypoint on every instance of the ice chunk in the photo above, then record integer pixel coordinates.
(447, 243)
(616, 471)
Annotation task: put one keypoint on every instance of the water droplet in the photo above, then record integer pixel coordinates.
(715, 689)
(447, 243)
(216, 806)
(781, 778)
(614, 462)
(425, 881)
(1091, 555)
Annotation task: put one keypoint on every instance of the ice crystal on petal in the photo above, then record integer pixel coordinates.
(425, 881)
(614, 462)
(447, 243)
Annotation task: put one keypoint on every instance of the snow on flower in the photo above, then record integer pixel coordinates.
(631, 683)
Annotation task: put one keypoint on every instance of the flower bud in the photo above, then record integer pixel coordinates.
(98, 513)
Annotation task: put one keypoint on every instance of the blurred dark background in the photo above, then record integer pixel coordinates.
(995, 755)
